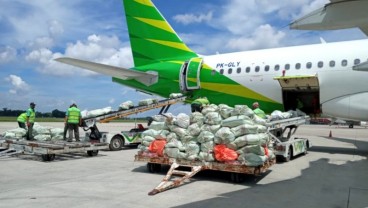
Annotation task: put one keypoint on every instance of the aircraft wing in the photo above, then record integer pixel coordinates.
(361, 67)
(146, 78)
(338, 14)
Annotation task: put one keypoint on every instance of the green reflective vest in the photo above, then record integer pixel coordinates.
(259, 113)
(31, 114)
(73, 115)
(22, 118)
(202, 101)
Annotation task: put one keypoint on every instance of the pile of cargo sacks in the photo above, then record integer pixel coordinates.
(218, 133)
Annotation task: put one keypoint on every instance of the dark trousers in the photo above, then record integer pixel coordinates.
(66, 127)
(75, 128)
(29, 135)
(196, 107)
(22, 125)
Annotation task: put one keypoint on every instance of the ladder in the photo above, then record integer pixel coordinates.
(170, 182)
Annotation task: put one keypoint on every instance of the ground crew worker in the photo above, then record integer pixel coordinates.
(73, 119)
(22, 120)
(299, 104)
(31, 116)
(260, 113)
(197, 105)
(66, 127)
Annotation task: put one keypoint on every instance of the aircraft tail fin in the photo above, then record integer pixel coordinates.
(152, 38)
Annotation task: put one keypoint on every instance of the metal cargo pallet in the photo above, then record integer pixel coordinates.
(48, 149)
(236, 168)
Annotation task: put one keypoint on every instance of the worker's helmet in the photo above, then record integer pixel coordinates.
(255, 105)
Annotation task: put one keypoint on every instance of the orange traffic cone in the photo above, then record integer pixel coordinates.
(330, 134)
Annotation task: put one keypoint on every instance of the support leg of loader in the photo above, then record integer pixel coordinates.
(166, 183)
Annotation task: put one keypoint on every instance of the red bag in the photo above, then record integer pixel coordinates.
(266, 151)
(222, 153)
(157, 146)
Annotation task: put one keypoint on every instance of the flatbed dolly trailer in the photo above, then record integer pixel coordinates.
(285, 144)
(48, 149)
(236, 168)
(176, 177)
(132, 137)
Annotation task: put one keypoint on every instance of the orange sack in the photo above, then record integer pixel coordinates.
(222, 153)
(157, 146)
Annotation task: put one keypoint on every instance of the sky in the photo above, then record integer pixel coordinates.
(34, 33)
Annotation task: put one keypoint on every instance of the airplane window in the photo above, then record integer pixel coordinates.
(257, 69)
(267, 68)
(247, 69)
(287, 66)
(309, 65)
(221, 71)
(332, 63)
(230, 71)
(297, 66)
(320, 64)
(356, 61)
(277, 67)
(344, 62)
(213, 72)
(238, 70)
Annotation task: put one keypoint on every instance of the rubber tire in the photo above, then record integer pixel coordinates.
(150, 167)
(237, 177)
(153, 167)
(48, 157)
(157, 168)
(289, 156)
(92, 153)
(113, 146)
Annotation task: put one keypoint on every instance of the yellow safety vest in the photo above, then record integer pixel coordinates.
(22, 118)
(32, 115)
(259, 113)
(73, 115)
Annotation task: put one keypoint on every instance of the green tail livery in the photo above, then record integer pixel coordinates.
(275, 78)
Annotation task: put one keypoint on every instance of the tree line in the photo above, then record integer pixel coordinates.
(14, 113)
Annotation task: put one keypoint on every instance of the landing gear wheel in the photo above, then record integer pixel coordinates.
(92, 153)
(116, 143)
(48, 157)
(236, 177)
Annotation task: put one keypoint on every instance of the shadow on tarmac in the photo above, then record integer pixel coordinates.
(58, 157)
(321, 185)
(361, 147)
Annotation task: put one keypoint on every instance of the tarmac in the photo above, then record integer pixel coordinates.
(333, 174)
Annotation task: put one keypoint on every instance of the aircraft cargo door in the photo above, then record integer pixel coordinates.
(190, 75)
(300, 92)
(194, 68)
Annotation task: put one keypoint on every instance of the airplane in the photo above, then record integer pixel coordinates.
(337, 14)
(328, 78)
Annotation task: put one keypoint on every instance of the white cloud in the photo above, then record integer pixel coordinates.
(55, 28)
(102, 49)
(18, 85)
(263, 37)
(41, 42)
(191, 18)
(7, 54)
